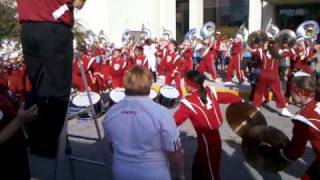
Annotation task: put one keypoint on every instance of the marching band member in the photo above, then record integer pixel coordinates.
(162, 55)
(139, 59)
(304, 54)
(149, 50)
(118, 67)
(202, 108)
(187, 54)
(208, 61)
(102, 75)
(305, 91)
(235, 61)
(172, 67)
(269, 78)
(16, 78)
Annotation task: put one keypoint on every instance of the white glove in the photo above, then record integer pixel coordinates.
(60, 11)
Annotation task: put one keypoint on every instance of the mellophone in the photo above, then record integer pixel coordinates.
(79, 102)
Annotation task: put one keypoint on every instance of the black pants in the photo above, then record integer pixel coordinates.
(14, 164)
(48, 54)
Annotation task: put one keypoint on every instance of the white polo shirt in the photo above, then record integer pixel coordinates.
(140, 130)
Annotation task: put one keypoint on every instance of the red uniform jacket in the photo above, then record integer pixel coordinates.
(15, 79)
(173, 63)
(268, 65)
(306, 128)
(302, 59)
(162, 55)
(140, 60)
(204, 117)
(187, 65)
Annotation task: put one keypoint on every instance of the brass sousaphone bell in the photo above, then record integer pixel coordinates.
(308, 30)
(286, 36)
(207, 30)
(258, 37)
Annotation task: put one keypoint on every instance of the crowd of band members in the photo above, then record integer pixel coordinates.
(105, 65)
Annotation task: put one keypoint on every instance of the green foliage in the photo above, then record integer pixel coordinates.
(9, 24)
(229, 31)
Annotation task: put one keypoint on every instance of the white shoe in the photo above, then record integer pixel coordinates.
(228, 83)
(286, 112)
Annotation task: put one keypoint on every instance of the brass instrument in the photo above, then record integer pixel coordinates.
(258, 37)
(286, 36)
(244, 32)
(308, 30)
(145, 33)
(272, 31)
(126, 36)
(103, 39)
(167, 34)
(207, 30)
(191, 35)
(89, 38)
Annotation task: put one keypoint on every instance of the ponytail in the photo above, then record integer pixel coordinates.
(198, 78)
(203, 95)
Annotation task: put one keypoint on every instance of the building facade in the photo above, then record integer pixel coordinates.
(178, 16)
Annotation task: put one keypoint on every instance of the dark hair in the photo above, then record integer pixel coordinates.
(317, 98)
(310, 83)
(174, 42)
(198, 78)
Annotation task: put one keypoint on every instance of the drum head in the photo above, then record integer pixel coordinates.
(169, 92)
(82, 99)
(116, 95)
(153, 94)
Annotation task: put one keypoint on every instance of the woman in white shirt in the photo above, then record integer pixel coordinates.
(143, 134)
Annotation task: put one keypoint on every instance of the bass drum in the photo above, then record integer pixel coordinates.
(168, 96)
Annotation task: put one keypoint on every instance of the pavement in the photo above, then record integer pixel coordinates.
(233, 163)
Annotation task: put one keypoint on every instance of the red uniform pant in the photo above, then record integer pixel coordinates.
(176, 77)
(206, 164)
(234, 64)
(272, 81)
(210, 68)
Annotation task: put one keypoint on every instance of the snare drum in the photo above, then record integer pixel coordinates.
(168, 96)
(153, 94)
(81, 100)
(116, 95)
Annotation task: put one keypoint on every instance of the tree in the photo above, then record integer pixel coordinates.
(9, 24)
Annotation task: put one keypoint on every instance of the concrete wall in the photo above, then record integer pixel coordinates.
(269, 14)
(195, 14)
(115, 16)
(255, 15)
(261, 14)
